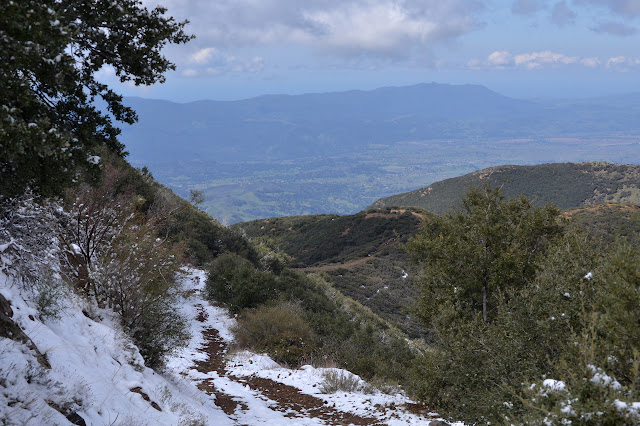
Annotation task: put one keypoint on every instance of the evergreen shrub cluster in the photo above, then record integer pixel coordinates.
(307, 317)
(533, 322)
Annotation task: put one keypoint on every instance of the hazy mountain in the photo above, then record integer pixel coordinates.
(339, 152)
(285, 127)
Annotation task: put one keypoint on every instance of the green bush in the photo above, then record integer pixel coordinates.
(561, 347)
(236, 282)
(278, 330)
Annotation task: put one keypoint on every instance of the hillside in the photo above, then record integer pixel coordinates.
(363, 256)
(566, 185)
(281, 155)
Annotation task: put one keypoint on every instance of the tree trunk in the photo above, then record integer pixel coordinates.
(484, 302)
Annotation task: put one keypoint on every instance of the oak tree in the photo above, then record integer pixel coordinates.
(51, 51)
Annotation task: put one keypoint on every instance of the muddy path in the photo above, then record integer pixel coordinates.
(280, 397)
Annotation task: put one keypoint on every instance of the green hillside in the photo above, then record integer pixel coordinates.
(317, 240)
(566, 185)
(362, 254)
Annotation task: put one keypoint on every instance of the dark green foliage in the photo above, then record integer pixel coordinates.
(321, 239)
(206, 238)
(566, 185)
(473, 255)
(475, 262)
(236, 282)
(572, 318)
(608, 223)
(597, 343)
(50, 126)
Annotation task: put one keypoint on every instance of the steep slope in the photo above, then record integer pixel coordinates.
(566, 185)
(74, 370)
(362, 254)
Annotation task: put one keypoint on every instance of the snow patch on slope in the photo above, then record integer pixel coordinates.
(95, 372)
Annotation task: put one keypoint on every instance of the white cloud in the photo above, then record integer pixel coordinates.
(203, 56)
(210, 62)
(503, 59)
(623, 63)
(590, 62)
(389, 29)
(500, 59)
(539, 59)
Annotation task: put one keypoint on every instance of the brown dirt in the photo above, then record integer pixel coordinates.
(215, 348)
(288, 399)
(297, 404)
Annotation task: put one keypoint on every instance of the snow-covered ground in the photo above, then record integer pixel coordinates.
(97, 373)
(94, 371)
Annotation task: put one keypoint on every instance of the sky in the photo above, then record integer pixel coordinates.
(520, 48)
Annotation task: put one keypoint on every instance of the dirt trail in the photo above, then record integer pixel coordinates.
(215, 349)
(288, 399)
(349, 264)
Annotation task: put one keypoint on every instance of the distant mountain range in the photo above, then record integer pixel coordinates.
(283, 155)
(566, 185)
(281, 127)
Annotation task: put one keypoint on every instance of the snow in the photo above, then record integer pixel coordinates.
(554, 385)
(93, 369)
(247, 364)
(603, 379)
(99, 374)
(93, 159)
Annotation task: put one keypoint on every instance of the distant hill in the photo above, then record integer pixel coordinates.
(284, 127)
(566, 185)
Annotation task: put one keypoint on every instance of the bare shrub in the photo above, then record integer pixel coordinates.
(278, 330)
(113, 254)
(340, 381)
(27, 237)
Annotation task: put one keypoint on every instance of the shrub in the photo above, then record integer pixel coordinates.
(278, 330)
(335, 381)
(236, 282)
(113, 255)
(51, 292)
